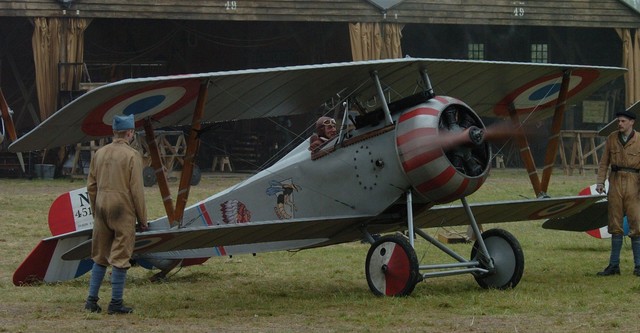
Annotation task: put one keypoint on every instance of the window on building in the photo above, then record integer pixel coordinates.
(540, 53)
(476, 51)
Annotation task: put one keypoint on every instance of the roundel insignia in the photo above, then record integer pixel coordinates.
(554, 209)
(156, 101)
(147, 242)
(543, 92)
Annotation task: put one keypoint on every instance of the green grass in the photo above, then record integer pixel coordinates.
(325, 289)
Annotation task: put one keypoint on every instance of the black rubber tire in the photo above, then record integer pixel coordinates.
(507, 256)
(148, 176)
(196, 175)
(392, 267)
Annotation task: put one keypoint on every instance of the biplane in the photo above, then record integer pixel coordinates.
(409, 148)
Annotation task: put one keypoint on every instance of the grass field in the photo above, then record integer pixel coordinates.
(325, 290)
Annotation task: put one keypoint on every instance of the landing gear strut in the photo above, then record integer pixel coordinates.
(392, 268)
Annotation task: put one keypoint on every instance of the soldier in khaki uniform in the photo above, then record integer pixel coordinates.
(622, 153)
(117, 199)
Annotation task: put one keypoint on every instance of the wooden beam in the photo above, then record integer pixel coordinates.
(26, 94)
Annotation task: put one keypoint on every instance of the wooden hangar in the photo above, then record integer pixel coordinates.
(51, 51)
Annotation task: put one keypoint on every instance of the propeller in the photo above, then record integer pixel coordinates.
(464, 139)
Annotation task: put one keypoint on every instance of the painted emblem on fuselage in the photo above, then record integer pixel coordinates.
(234, 211)
(283, 191)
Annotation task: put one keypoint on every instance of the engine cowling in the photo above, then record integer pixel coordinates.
(441, 149)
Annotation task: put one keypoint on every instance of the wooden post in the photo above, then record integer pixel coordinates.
(583, 147)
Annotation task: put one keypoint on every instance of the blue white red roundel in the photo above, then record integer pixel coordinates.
(553, 209)
(543, 92)
(155, 101)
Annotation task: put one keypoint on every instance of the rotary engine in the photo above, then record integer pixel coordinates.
(442, 149)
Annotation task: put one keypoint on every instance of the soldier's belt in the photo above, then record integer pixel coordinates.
(616, 168)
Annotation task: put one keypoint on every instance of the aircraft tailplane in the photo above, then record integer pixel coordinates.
(45, 264)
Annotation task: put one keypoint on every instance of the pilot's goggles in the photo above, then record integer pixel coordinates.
(329, 122)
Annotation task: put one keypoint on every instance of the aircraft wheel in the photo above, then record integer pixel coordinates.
(392, 267)
(148, 176)
(196, 175)
(507, 257)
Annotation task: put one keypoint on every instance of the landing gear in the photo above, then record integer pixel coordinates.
(507, 260)
(392, 267)
(148, 176)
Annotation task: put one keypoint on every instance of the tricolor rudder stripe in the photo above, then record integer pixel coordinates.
(204, 213)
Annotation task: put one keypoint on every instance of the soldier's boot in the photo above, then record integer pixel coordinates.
(614, 259)
(92, 304)
(635, 247)
(610, 270)
(116, 306)
(118, 277)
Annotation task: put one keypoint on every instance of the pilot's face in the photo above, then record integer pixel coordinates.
(330, 130)
(625, 125)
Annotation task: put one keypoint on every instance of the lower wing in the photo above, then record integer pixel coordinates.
(279, 235)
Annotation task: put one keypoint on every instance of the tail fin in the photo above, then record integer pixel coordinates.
(45, 264)
(70, 221)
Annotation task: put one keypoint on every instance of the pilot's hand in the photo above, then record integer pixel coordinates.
(315, 145)
(142, 227)
(600, 188)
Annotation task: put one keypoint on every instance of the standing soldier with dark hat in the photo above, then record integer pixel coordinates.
(117, 199)
(622, 153)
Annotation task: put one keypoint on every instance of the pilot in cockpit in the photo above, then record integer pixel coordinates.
(325, 131)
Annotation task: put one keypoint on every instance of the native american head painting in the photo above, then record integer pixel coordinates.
(234, 211)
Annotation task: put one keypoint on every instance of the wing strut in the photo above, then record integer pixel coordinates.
(556, 126)
(383, 100)
(525, 150)
(539, 188)
(193, 142)
(11, 129)
(159, 169)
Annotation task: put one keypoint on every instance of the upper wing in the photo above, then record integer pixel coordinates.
(613, 125)
(488, 87)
